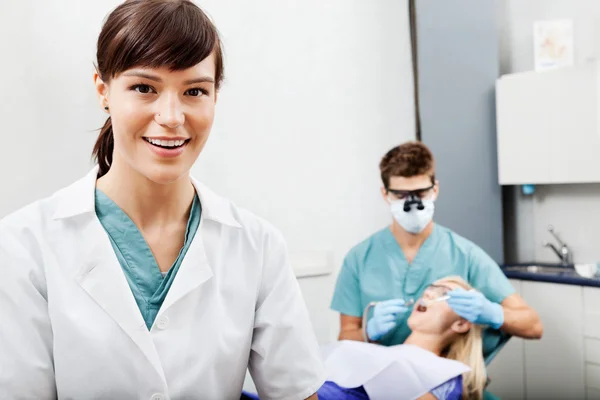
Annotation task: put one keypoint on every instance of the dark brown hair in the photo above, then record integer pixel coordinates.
(175, 34)
(407, 160)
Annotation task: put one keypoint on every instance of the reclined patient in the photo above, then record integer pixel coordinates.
(441, 359)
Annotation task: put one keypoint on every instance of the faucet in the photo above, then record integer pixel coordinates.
(564, 253)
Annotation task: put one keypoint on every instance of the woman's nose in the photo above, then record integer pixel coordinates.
(170, 113)
(429, 295)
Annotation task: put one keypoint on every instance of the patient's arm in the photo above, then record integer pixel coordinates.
(313, 397)
(520, 319)
(351, 328)
(427, 396)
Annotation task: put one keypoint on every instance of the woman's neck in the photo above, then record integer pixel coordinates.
(434, 343)
(150, 205)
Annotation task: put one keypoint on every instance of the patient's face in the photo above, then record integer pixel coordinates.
(438, 317)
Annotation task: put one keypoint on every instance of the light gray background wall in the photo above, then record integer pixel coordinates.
(572, 209)
(458, 67)
(315, 93)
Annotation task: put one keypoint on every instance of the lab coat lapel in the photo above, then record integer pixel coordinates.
(102, 278)
(193, 272)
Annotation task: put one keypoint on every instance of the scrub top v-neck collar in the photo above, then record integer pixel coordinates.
(145, 279)
(417, 270)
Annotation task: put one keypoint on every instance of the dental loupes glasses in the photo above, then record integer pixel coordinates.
(411, 197)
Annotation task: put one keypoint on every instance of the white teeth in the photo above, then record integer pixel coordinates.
(166, 143)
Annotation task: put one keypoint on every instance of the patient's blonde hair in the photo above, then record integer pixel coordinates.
(468, 349)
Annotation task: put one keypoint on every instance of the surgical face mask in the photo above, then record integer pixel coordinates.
(414, 220)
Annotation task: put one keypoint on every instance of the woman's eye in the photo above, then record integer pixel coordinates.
(196, 92)
(143, 89)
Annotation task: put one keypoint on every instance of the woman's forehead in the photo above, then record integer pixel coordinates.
(203, 72)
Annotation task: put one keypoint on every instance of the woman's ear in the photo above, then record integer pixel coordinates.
(101, 90)
(461, 326)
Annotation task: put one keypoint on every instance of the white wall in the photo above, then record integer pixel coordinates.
(517, 29)
(316, 92)
(47, 104)
(572, 209)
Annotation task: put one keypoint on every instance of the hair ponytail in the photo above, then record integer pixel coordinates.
(103, 149)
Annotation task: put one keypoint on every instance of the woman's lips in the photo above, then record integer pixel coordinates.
(166, 152)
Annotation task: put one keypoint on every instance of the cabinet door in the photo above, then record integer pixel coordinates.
(507, 371)
(547, 126)
(554, 366)
(521, 131)
(591, 318)
(573, 112)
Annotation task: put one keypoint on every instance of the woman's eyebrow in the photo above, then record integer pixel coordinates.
(202, 79)
(141, 74)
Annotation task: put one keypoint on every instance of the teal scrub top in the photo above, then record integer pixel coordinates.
(376, 270)
(141, 270)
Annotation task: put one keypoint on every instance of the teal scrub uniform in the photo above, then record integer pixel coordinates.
(376, 270)
(148, 285)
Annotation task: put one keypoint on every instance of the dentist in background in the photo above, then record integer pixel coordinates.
(401, 260)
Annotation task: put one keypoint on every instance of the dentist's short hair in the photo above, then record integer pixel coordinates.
(407, 160)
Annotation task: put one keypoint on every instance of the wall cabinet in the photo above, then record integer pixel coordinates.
(548, 126)
(565, 363)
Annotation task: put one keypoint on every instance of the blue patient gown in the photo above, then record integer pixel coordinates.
(450, 390)
(147, 284)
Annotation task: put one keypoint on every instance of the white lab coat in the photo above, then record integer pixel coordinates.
(70, 327)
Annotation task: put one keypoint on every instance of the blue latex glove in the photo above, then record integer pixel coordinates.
(384, 318)
(475, 308)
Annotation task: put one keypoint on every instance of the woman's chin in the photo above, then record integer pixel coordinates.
(166, 174)
(415, 320)
(423, 321)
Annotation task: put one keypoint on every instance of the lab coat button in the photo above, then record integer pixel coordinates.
(157, 396)
(162, 323)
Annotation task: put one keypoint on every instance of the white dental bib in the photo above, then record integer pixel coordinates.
(402, 372)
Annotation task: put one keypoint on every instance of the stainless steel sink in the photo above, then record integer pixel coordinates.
(540, 269)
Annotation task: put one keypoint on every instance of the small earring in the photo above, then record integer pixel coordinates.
(106, 108)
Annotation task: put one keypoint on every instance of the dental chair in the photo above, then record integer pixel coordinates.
(493, 341)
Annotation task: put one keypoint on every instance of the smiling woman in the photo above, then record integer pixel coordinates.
(158, 81)
(138, 281)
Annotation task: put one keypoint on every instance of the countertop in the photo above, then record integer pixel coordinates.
(568, 277)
